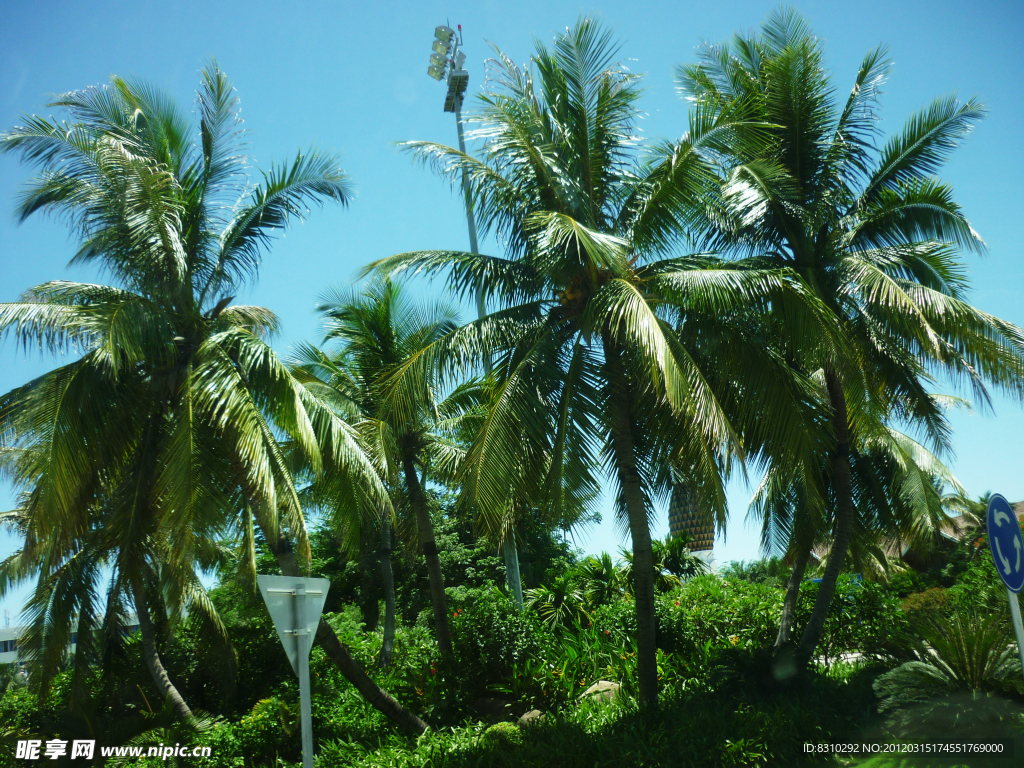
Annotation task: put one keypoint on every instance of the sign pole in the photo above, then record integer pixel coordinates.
(1018, 628)
(302, 637)
(295, 604)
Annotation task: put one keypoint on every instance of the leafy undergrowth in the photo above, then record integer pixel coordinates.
(733, 720)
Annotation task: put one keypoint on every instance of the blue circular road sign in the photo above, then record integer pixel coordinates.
(1006, 543)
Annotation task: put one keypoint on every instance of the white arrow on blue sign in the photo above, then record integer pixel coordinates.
(1004, 538)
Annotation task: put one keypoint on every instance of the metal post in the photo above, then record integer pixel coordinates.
(302, 638)
(481, 307)
(1018, 628)
(509, 553)
(465, 180)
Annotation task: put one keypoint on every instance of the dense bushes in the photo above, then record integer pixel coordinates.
(492, 641)
(716, 722)
(721, 706)
(717, 611)
(862, 617)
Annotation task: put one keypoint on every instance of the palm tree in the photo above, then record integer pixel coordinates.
(673, 555)
(163, 428)
(895, 481)
(607, 348)
(561, 604)
(872, 232)
(70, 568)
(379, 331)
(600, 579)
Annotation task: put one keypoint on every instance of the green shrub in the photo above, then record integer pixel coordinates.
(717, 612)
(980, 588)
(491, 639)
(863, 617)
(935, 599)
(728, 726)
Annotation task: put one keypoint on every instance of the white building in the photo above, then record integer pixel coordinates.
(9, 640)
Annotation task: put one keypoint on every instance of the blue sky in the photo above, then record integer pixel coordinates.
(351, 77)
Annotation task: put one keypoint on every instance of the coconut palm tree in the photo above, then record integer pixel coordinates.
(161, 430)
(871, 231)
(608, 347)
(895, 481)
(379, 331)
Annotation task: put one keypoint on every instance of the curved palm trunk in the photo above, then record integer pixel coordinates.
(388, 577)
(336, 651)
(842, 479)
(152, 656)
(792, 595)
(429, 547)
(643, 555)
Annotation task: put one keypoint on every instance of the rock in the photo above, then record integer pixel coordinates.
(531, 717)
(602, 690)
(494, 709)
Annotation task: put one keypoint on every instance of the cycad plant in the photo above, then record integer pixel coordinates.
(871, 231)
(161, 431)
(964, 674)
(600, 579)
(591, 303)
(673, 555)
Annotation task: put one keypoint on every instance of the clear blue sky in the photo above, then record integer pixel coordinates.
(351, 77)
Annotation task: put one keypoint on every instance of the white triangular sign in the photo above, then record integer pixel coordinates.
(282, 595)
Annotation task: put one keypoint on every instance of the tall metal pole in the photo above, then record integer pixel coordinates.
(303, 638)
(470, 219)
(508, 547)
(456, 90)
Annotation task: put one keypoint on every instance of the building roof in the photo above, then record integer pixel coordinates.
(957, 529)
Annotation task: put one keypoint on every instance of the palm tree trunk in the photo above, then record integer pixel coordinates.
(846, 512)
(152, 656)
(388, 577)
(429, 547)
(792, 595)
(336, 651)
(643, 556)
(515, 583)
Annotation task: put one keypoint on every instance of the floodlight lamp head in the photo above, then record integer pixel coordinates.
(438, 60)
(441, 48)
(458, 81)
(444, 34)
(435, 72)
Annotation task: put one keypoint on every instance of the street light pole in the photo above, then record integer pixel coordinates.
(447, 44)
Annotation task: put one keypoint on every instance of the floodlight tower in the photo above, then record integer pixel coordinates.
(446, 63)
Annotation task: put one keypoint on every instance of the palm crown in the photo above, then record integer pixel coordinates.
(379, 332)
(871, 232)
(145, 446)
